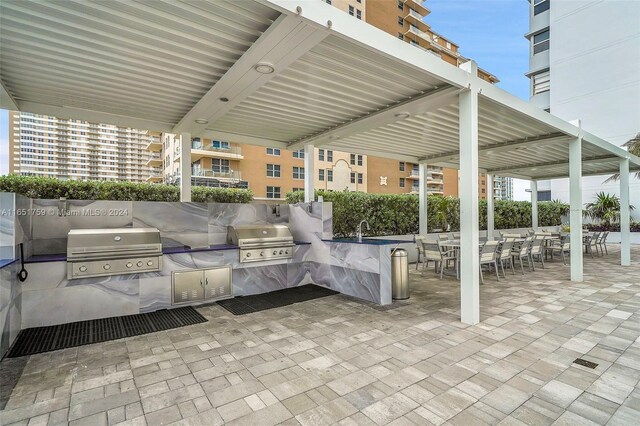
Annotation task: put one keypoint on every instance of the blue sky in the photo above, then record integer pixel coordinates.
(489, 31)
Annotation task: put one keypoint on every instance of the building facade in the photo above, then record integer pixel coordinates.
(584, 65)
(46, 146)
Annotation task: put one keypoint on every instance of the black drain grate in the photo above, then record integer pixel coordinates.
(44, 339)
(585, 363)
(260, 302)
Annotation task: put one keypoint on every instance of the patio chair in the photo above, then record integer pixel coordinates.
(439, 255)
(419, 241)
(563, 247)
(489, 256)
(603, 242)
(590, 241)
(537, 250)
(504, 255)
(523, 253)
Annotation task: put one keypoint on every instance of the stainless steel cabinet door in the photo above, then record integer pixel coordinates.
(217, 283)
(188, 286)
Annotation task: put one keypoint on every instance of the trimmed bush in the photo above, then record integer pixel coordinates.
(397, 214)
(50, 188)
(614, 227)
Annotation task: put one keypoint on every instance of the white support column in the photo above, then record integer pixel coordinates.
(423, 197)
(575, 195)
(309, 173)
(534, 204)
(185, 167)
(490, 208)
(468, 189)
(625, 237)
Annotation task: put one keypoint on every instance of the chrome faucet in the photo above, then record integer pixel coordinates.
(359, 230)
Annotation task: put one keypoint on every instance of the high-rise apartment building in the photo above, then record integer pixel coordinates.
(584, 65)
(502, 188)
(41, 145)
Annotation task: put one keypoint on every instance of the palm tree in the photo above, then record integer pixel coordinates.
(605, 208)
(633, 146)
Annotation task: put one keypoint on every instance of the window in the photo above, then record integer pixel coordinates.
(329, 155)
(321, 155)
(400, 21)
(541, 42)
(273, 170)
(351, 10)
(540, 82)
(220, 166)
(321, 174)
(352, 159)
(298, 172)
(220, 144)
(273, 192)
(359, 1)
(401, 182)
(401, 4)
(328, 1)
(358, 14)
(353, 177)
(298, 154)
(273, 151)
(329, 175)
(401, 36)
(360, 160)
(540, 6)
(360, 178)
(402, 166)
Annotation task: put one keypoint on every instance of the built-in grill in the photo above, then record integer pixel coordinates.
(261, 242)
(103, 252)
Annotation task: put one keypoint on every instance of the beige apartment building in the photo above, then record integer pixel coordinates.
(41, 145)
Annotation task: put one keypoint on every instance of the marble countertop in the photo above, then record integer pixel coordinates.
(366, 241)
(6, 262)
(62, 257)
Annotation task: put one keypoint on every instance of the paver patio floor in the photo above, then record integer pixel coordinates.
(338, 360)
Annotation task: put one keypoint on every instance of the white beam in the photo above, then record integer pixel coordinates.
(534, 204)
(429, 101)
(6, 100)
(575, 195)
(468, 189)
(94, 116)
(243, 139)
(490, 208)
(625, 241)
(423, 198)
(309, 173)
(285, 41)
(553, 164)
(185, 167)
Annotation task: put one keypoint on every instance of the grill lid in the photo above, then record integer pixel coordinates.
(113, 243)
(259, 235)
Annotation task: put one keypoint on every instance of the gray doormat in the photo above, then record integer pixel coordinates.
(242, 305)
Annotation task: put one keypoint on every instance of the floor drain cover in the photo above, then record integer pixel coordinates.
(585, 363)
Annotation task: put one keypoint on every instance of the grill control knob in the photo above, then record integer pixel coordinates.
(249, 254)
(261, 253)
(150, 263)
(275, 252)
(107, 266)
(286, 252)
(281, 252)
(129, 264)
(82, 268)
(139, 263)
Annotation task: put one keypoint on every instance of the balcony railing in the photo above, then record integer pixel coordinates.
(230, 174)
(231, 149)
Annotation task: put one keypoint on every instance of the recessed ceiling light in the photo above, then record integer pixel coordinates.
(334, 137)
(264, 68)
(201, 121)
(403, 115)
(224, 99)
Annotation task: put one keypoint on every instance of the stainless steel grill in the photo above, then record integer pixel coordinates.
(261, 242)
(103, 252)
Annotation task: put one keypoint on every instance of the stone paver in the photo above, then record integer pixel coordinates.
(341, 361)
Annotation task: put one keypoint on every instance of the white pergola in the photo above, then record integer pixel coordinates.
(295, 74)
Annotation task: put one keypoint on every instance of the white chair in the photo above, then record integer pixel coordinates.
(489, 256)
(563, 247)
(537, 250)
(504, 255)
(434, 252)
(419, 241)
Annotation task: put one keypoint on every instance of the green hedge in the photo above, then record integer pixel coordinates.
(50, 188)
(397, 214)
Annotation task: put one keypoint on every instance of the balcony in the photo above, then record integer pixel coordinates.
(417, 6)
(154, 177)
(220, 175)
(199, 151)
(415, 31)
(415, 18)
(154, 145)
(154, 160)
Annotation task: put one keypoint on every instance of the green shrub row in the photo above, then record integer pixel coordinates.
(397, 214)
(50, 188)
